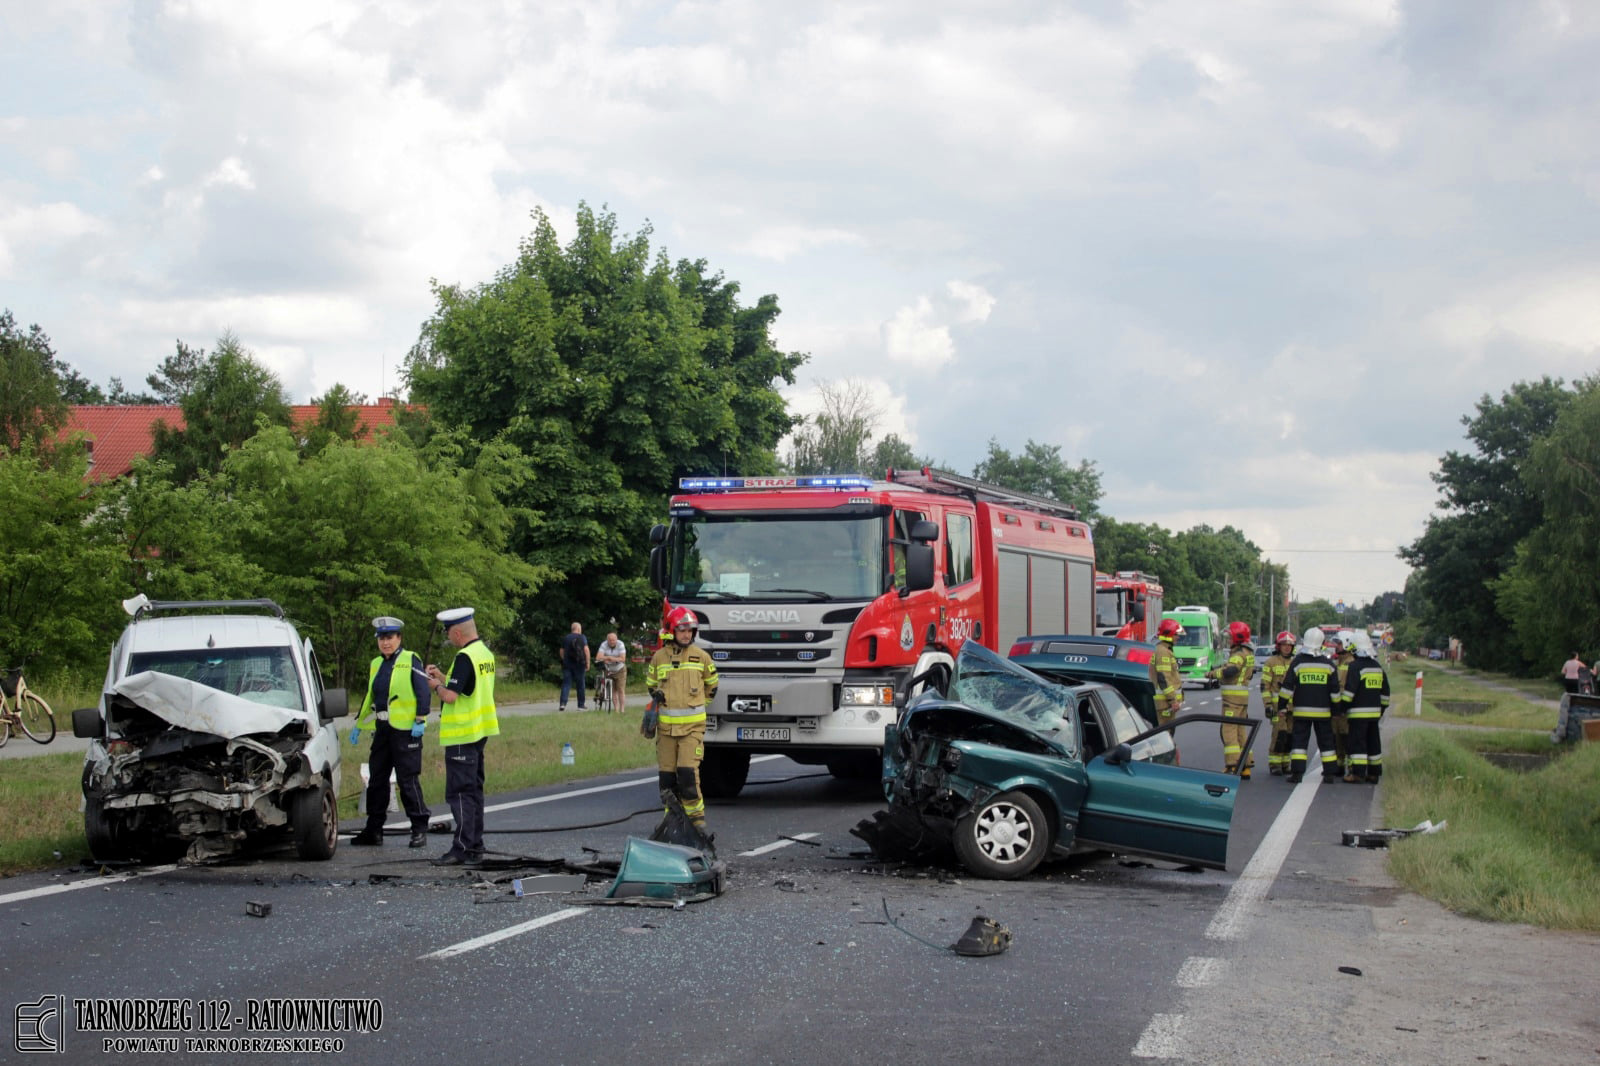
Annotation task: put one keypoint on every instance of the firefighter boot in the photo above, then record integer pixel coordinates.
(1355, 776)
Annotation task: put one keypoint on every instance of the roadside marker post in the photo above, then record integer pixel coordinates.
(1417, 707)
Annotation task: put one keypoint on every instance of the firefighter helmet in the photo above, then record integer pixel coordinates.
(1239, 632)
(682, 616)
(1361, 643)
(1285, 637)
(1169, 627)
(1337, 640)
(1313, 640)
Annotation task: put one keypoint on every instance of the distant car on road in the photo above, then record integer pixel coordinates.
(1263, 653)
(1031, 756)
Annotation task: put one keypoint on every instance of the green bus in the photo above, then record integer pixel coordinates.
(1199, 647)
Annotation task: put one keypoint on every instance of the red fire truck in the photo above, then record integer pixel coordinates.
(827, 601)
(1122, 603)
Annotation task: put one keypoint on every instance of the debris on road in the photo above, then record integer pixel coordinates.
(1381, 838)
(257, 910)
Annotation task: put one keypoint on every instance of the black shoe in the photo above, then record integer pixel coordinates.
(449, 858)
(419, 837)
(367, 839)
(474, 858)
(1326, 778)
(1295, 779)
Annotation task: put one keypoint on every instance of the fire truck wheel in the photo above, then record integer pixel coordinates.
(723, 772)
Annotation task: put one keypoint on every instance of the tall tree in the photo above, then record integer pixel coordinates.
(176, 376)
(1487, 510)
(837, 440)
(231, 397)
(1039, 469)
(31, 405)
(336, 418)
(615, 373)
(1551, 592)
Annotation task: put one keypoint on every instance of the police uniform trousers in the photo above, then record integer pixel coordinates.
(398, 751)
(679, 749)
(1301, 741)
(1366, 747)
(463, 790)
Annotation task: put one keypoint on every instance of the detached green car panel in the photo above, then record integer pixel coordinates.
(1011, 767)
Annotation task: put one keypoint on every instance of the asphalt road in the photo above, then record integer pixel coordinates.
(795, 963)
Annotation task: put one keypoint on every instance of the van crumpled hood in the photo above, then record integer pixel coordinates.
(189, 705)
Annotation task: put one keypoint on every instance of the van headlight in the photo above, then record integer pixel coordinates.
(866, 696)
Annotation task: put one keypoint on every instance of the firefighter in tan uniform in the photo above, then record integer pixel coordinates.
(1272, 672)
(1234, 676)
(1164, 671)
(682, 679)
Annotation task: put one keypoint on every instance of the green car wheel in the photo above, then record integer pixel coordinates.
(1004, 838)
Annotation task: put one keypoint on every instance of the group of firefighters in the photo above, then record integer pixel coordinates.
(1333, 686)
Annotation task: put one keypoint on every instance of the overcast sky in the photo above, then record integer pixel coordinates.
(1254, 259)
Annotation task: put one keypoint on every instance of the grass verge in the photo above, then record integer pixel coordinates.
(1449, 696)
(1520, 847)
(41, 795)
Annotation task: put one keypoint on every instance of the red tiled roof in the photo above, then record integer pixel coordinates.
(116, 433)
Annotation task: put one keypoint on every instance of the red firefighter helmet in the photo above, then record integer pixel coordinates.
(1169, 627)
(1239, 632)
(682, 616)
(1286, 637)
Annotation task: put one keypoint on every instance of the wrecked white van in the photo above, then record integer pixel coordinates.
(213, 730)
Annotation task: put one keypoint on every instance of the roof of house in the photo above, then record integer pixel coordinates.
(116, 433)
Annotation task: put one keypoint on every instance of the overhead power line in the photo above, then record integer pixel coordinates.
(1332, 551)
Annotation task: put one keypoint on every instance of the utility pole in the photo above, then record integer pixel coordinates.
(1224, 583)
(1272, 600)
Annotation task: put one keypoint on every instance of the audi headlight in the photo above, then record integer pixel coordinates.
(866, 695)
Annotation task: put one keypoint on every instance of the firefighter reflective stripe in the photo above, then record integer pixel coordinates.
(472, 717)
(1164, 675)
(683, 717)
(1366, 691)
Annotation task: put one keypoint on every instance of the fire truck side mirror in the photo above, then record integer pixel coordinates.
(658, 568)
(1138, 612)
(919, 567)
(924, 531)
(658, 534)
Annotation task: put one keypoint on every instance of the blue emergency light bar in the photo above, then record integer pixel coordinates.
(748, 484)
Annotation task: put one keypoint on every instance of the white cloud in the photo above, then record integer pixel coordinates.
(784, 242)
(973, 302)
(230, 172)
(914, 336)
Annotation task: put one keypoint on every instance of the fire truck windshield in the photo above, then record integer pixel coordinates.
(777, 558)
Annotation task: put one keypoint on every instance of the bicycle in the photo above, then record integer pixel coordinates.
(605, 694)
(24, 709)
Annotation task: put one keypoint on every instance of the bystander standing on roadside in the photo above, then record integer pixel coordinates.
(575, 663)
(613, 656)
(1569, 673)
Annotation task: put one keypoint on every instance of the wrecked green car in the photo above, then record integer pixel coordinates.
(1010, 766)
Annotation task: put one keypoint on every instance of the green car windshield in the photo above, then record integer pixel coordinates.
(986, 682)
(1194, 637)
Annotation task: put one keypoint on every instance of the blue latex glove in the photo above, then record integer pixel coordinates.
(355, 735)
(419, 727)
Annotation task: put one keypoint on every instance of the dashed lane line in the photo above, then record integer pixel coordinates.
(504, 934)
(1163, 1036)
(794, 838)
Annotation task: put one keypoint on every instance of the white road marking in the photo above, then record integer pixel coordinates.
(73, 886)
(503, 934)
(775, 845)
(449, 819)
(1161, 1039)
(1233, 916)
(1198, 972)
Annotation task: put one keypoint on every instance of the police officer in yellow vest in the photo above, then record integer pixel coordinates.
(1164, 671)
(1234, 676)
(682, 679)
(466, 721)
(1272, 672)
(397, 701)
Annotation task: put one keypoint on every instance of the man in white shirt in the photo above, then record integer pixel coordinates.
(613, 655)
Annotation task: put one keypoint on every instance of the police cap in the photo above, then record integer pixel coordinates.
(386, 624)
(454, 616)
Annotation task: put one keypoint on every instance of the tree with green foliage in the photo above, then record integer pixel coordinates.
(838, 439)
(1040, 470)
(1551, 592)
(60, 572)
(1487, 511)
(336, 419)
(231, 397)
(32, 409)
(614, 372)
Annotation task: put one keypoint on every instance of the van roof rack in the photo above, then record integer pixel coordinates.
(930, 480)
(161, 606)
